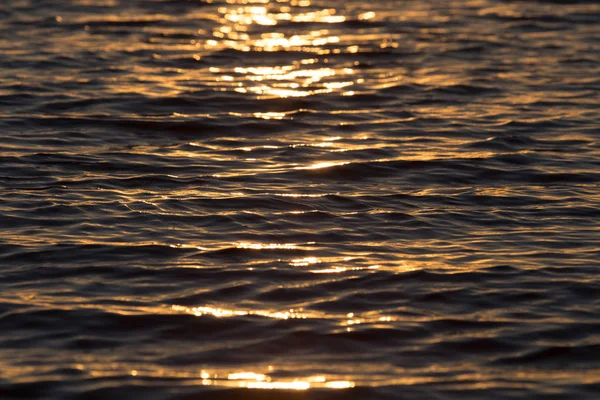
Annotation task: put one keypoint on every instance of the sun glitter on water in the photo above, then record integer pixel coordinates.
(252, 26)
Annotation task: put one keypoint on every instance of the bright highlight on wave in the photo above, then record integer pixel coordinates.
(248, 379)
(303, 262)
(346, 320)
(253, 380)
(228, 313)
(266, 246)
(325, 164)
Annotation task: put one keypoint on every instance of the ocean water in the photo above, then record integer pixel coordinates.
(299, 199)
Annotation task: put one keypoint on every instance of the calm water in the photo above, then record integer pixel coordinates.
(365, 199)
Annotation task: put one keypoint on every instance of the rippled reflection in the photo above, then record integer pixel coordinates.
(266, 246)
(226, 313)
(241, 379)
(344, 320)
(254, 380)
(256, 26)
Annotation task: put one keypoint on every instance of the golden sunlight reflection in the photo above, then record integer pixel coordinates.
(346, 321)
(338, 269)
(321, 165)
(252, 25)
(301, 195)
(303, 262)
(228, 313)
(266, 246)
(250, 379)
(270, 115)
(252, 376)
(253, 380)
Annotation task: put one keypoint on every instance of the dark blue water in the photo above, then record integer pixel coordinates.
(293, 199)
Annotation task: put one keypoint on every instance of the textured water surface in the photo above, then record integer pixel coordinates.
(332, 199)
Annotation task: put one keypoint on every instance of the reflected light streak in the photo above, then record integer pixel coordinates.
(242, 25)
(333, 270)
(303, 262)
(322, 165)
(247, 376)
(270, 115)
(337, 270)
(253, 380)
(228, 313)
(344, 320)
(302, 195)
(267, 246)
(295, 385)
(339, 385)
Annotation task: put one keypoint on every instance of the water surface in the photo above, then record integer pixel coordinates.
(329, 199)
